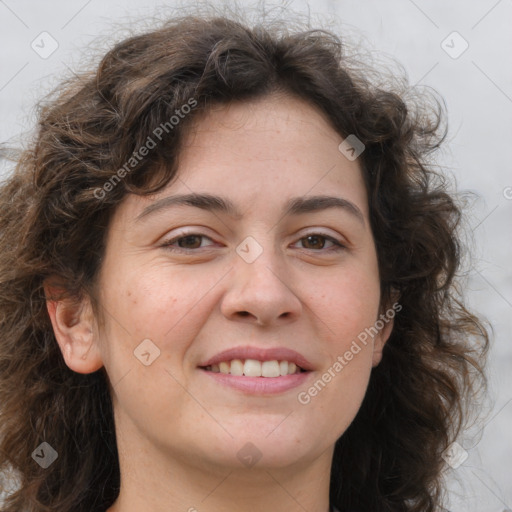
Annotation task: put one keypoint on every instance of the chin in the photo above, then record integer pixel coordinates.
(257, 448)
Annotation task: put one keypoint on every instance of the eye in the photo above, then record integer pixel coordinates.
(192, 241)
(316, 241)
(186, 241)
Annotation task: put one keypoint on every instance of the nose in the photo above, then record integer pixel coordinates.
(261, 292)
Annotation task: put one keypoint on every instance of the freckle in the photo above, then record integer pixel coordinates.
(129, 293)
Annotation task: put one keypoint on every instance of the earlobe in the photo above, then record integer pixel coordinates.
(74, 328)
(377, 352)
(382, 337)
(385, 324)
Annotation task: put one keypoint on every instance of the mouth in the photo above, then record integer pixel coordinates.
(255, 368)
(258, 371)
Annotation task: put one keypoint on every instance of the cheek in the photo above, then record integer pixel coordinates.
(346, 302)
(150, 305)
(346, 305)
(161, 304)
(343, 309)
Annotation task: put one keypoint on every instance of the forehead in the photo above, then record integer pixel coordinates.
(261, 153)
(274, 119)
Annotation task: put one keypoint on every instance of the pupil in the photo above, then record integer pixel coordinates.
(314, 238)
(188, 239)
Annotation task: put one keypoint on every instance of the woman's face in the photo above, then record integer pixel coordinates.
(182, 283)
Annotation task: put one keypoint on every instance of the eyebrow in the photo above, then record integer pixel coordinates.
(294, 206)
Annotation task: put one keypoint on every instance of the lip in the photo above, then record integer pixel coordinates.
(260, 385)
(260, 354)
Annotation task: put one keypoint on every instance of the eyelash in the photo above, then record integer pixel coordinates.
(338, 246)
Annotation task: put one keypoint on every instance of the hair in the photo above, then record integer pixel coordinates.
(56, 208)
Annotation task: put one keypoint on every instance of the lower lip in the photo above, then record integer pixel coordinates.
(260, 385)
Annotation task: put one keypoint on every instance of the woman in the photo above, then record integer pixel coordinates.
(228, 283)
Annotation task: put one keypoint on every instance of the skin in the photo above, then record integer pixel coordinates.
(178, 431)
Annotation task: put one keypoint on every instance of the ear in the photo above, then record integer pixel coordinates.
(74, 327)
(385, 324)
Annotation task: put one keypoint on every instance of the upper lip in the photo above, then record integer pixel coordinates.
(260, 354)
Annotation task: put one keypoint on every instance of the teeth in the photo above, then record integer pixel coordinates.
(270, 369)
(237, 367)
(255, 368)
(252, 368)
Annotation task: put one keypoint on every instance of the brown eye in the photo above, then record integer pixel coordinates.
(186, 242)
(317, 241)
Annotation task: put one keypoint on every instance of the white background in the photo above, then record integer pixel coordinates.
(477, 87)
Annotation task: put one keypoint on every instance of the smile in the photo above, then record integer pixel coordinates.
(255, 368)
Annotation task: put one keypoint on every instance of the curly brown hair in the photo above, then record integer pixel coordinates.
(53, 224)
